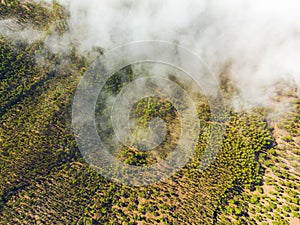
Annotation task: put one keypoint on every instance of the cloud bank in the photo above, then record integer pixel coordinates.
(256, 42)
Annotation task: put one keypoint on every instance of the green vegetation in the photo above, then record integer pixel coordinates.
(38, 15)
(254, 178)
